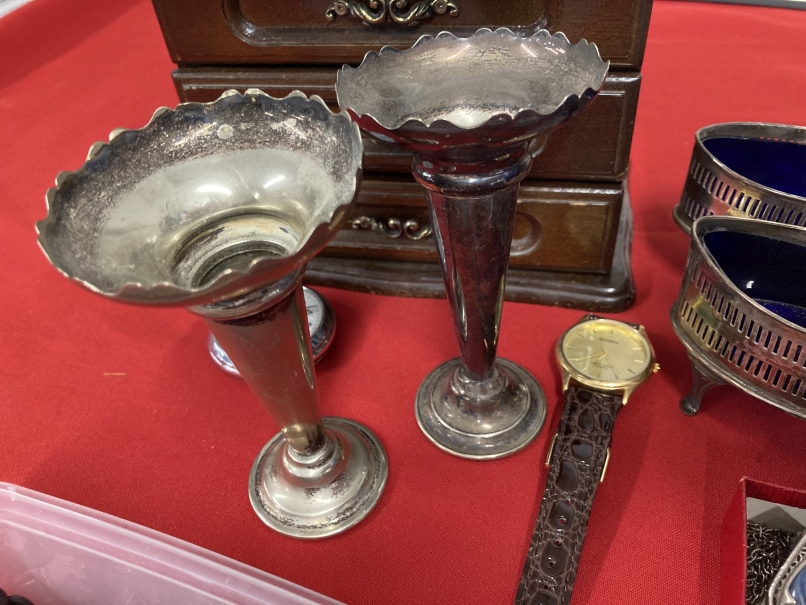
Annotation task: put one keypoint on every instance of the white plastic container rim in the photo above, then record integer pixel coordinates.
(55, 552)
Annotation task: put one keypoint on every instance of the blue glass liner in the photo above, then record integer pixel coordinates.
(771, 271)
(798, 587)
(779, 165)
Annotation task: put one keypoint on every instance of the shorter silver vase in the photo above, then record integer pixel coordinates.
(321, 328)
(217, 207)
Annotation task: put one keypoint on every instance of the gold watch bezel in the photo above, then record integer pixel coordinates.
(626, 387)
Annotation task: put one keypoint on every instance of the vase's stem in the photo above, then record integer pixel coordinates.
(472, 203)
(272, 351)
(323, 475)
(473, 235)
(476, 406)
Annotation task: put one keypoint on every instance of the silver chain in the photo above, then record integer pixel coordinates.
(767, 550)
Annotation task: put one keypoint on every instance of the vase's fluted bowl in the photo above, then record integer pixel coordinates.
(206, 202)
(493, 88)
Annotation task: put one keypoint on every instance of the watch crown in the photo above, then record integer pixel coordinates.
(656, 368)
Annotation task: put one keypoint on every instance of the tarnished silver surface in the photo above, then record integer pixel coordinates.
(321, 327)
(159, 215)
(351, 475)
(436, 94)
(218, 207)
(789, 585)
(713, 188)
(730, 337)
(456, 414)
(475, 111)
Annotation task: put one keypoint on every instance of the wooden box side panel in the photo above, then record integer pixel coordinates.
(594, 146)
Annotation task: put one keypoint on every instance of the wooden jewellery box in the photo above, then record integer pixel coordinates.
(573, 228)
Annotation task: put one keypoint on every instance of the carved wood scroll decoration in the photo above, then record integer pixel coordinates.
(396, 11)
(393, 227)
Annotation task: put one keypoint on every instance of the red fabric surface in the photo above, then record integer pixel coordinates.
(169, 444)
(733, 565)
(733, 549)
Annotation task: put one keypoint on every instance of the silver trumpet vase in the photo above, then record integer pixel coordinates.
(218, 207)
(475, 112)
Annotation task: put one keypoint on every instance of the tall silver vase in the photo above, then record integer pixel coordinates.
(475, 112)
(218, 207)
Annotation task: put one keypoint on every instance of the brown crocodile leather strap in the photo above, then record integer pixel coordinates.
(576, 465)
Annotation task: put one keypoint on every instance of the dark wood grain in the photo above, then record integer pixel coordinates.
(558, 226)
(241, 32)
(594, 146)
(610, 292)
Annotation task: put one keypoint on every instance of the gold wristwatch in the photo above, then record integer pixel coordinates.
(603, 361)
(606, 354)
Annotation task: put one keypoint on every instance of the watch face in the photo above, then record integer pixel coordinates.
(606, 350)
(316, 310)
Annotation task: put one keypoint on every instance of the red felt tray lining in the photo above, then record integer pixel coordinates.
(733, 565)
(169, 444)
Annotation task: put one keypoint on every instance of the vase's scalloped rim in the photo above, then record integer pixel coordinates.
(540, 34)
(167, 293)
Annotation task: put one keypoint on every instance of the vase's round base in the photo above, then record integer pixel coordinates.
(482, 426)
(321, 325)
(293, 507)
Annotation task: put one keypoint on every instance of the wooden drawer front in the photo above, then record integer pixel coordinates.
(258, 31)
(594, 146)
(557, 226)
